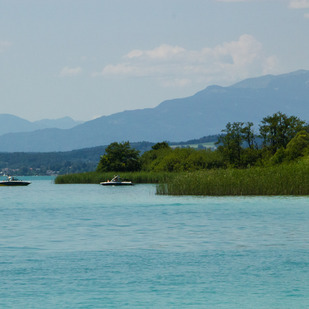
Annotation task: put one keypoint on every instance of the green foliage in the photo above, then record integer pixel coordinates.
(251, 157)
(237, 167)
(20, 163)
(247, 134)
(278, 157)
(88, 177)
(237, 145)
(298, 145)
(284, 179)
(151, 159)
(296, 148)
(180, 159)
(232, 141)
(119, 157)
(204, 159)
(163, 145)
(277, 130)
(175, 160)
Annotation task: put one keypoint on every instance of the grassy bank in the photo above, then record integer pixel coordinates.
(96, 178)
(290, 179)
(285, 179)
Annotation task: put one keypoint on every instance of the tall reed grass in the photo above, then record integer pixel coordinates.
(285, 179)
(292, 179)
(96, 177)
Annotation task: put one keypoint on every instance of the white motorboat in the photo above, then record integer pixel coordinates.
(12, 181)
(116, 181)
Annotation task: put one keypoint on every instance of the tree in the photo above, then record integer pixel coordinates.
(231, 143)
(277, 130)
(150, 159)
(162, 145)
(298, 145)
(119, 157)
(248, 134)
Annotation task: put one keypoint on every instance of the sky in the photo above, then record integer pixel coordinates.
(90, 58)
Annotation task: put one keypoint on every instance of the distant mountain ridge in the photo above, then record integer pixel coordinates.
(13, 124)
(205, 113)
(60, 123)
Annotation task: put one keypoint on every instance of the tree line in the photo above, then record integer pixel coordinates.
(281, 138)
(46, 163)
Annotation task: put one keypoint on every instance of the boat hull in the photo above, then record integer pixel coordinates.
(114, 183)
(14, 183)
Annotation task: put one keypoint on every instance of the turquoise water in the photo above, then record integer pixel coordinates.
(89, 246)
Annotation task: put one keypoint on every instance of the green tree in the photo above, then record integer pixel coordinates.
(277, 130)
(150, 159)
(297, 146)
(231, 142)
(119, 157)
(204, 159)
(162, 145)
(175, 160)
(248, 134)
(278, 157)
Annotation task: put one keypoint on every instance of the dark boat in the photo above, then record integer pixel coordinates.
(116, 181)
(12, 181)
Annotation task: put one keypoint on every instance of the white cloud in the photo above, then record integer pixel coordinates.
(176, 66)
(66, 71)
(162, 52)
(4, 45)
(299, 4)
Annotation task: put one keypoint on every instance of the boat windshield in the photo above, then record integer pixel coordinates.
(116, 179)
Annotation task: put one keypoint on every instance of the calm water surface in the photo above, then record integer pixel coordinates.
(88, 246)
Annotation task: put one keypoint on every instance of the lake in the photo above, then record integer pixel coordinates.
(89, 246)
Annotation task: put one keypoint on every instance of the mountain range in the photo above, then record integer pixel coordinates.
(205, 113)
(13, 124)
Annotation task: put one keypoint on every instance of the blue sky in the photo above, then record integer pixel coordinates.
(89, 58)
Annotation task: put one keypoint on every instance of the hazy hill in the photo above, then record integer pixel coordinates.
(12, 124)
(204, 113)
(60, 123)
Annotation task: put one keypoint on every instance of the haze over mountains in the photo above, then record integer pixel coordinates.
(13, 124)
(205, 113)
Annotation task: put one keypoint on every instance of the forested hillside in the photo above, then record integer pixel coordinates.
(76, 161)
(50, 163)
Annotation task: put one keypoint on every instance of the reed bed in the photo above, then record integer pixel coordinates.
(96, 177)
(290, 179)
(285, 179)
